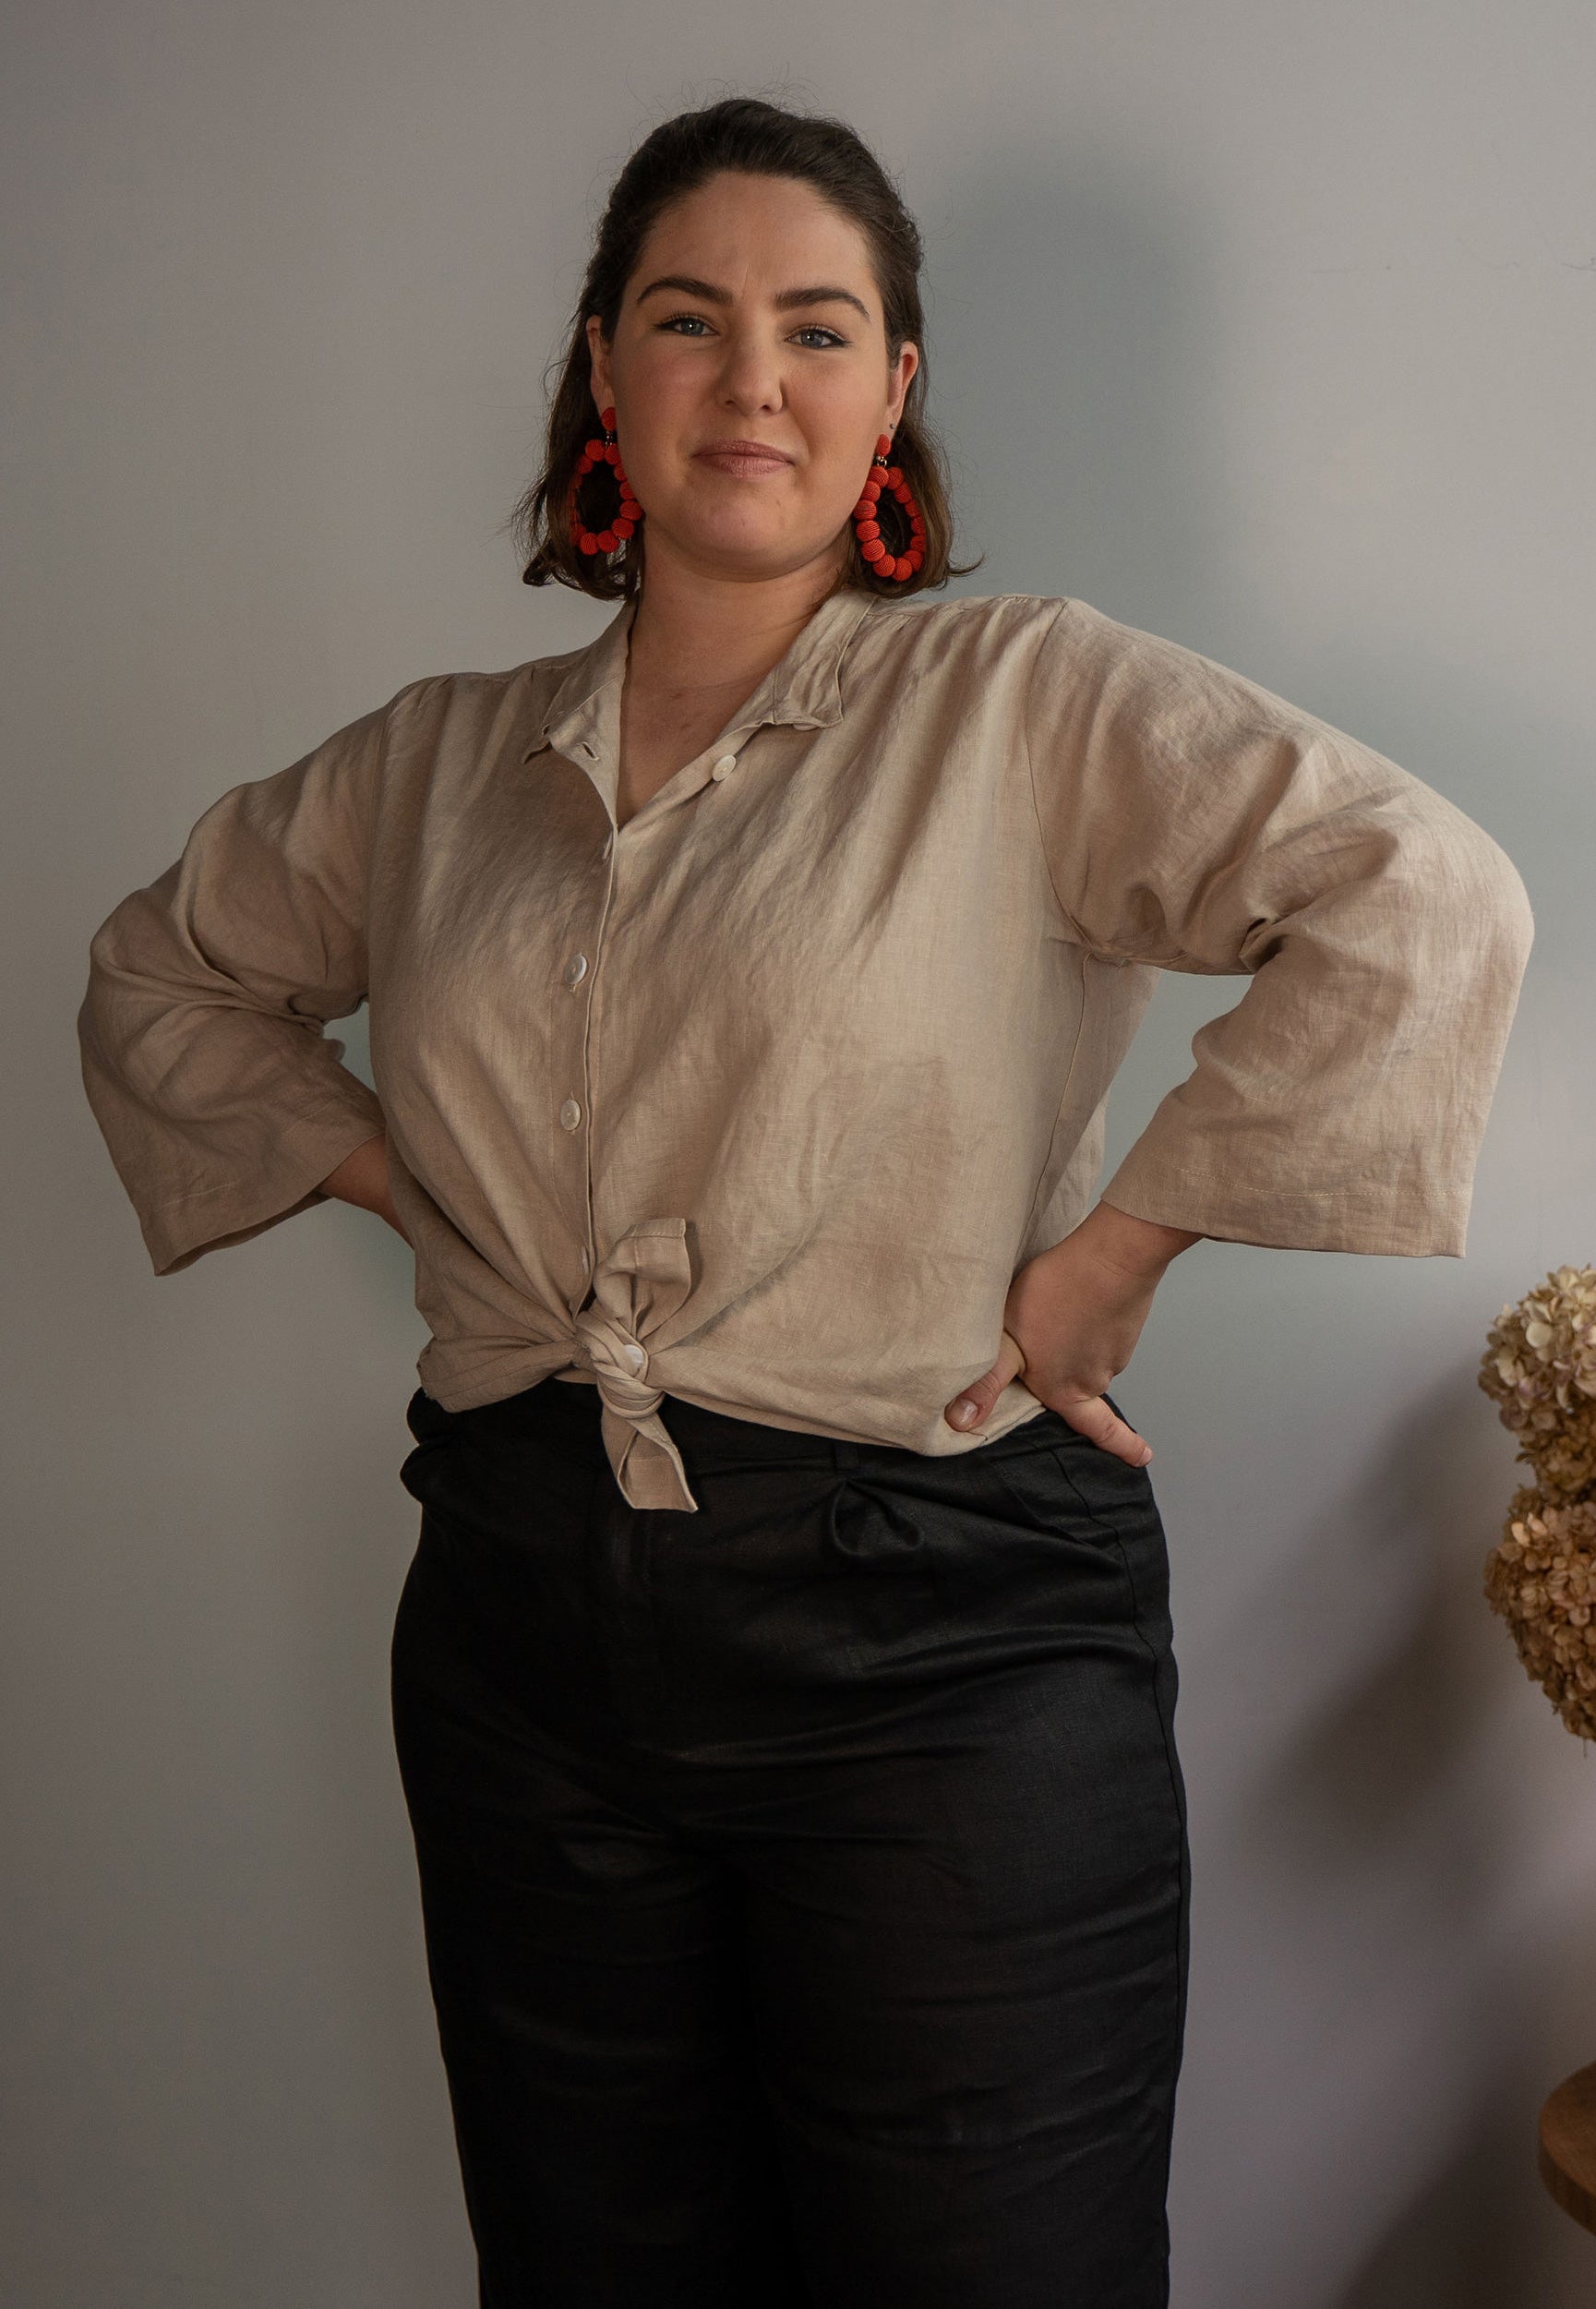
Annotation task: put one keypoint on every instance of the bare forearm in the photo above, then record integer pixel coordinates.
(1139, 1245)
(361, 1179)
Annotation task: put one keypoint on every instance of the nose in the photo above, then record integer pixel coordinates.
(751, 377)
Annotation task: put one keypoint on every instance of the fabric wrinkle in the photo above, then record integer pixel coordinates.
(849, 1016)
(637, 1287)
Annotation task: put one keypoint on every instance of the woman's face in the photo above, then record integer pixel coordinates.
(751, 316)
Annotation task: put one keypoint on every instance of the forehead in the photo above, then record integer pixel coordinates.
(754, 235)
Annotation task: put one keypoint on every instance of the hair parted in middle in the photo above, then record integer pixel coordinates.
(741, 134)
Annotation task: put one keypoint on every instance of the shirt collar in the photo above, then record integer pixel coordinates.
(582, 718)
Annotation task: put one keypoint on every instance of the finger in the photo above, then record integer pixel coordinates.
(1093, 1417)
(974, 1403)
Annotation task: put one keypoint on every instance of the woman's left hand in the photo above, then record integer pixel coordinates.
(1071, 1322)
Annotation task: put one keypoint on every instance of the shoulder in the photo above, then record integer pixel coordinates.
(444, 713)
(929, 628)
(1051, 647)
(966, 651)
(437, 696)
(987, 630)
(1161, 679)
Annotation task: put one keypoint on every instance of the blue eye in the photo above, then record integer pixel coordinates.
(810, 327)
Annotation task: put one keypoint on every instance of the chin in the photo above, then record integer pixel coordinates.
(759, 554)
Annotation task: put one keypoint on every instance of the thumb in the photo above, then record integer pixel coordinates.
(974, 1403)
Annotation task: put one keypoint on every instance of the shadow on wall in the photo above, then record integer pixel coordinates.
(1083, 305)
(1066, 315)
(1397, 1835)
(1456, 2241)
(1376, 1936)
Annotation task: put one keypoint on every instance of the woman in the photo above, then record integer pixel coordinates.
(782, 1682)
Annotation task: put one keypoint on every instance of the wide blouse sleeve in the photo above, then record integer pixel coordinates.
(1194, 821)
(222, 1103)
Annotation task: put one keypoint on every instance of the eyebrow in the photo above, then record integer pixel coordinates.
(784, 299)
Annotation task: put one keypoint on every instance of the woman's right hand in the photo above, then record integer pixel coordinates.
(362, 1178)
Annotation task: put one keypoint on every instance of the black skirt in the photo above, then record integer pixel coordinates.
(805, 1880)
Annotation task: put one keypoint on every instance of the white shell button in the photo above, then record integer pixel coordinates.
(723, 768)
(575, 970)
(571, 1115)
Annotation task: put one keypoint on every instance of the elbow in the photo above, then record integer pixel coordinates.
(1499, 912)
(1461, 881)
(120, 997)
(107, 976)
(92, 1009)
(1461, 929)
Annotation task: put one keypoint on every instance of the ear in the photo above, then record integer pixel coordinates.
(909, 360)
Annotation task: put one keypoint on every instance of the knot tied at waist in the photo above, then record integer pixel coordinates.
(637, 1287)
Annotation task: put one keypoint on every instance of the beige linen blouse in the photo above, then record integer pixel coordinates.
(762, 1100)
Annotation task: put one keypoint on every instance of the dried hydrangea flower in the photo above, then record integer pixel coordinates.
(1539, 1369)
(1541, 1579)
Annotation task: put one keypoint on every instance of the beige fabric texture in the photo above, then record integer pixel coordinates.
(763, 1099)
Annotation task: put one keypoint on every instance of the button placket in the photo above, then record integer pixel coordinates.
(571, 976)
(576, 977)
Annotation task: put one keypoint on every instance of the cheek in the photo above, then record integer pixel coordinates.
(838, 474)
(841, 426)
(663, 405)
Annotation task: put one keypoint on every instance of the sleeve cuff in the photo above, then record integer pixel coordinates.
(308, 1149)
(1357, 1216)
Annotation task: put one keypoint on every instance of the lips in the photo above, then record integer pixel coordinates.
(744, 457)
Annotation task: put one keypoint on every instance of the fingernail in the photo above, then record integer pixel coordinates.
(964, 1411)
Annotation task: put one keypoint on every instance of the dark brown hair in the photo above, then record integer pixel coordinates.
(741, 133)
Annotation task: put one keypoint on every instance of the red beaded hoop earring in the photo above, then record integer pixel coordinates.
(626, 520)
(868, 529)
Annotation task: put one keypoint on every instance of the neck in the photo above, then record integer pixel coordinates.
(698, 632)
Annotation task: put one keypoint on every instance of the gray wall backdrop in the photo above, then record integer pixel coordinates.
(1266, 327)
